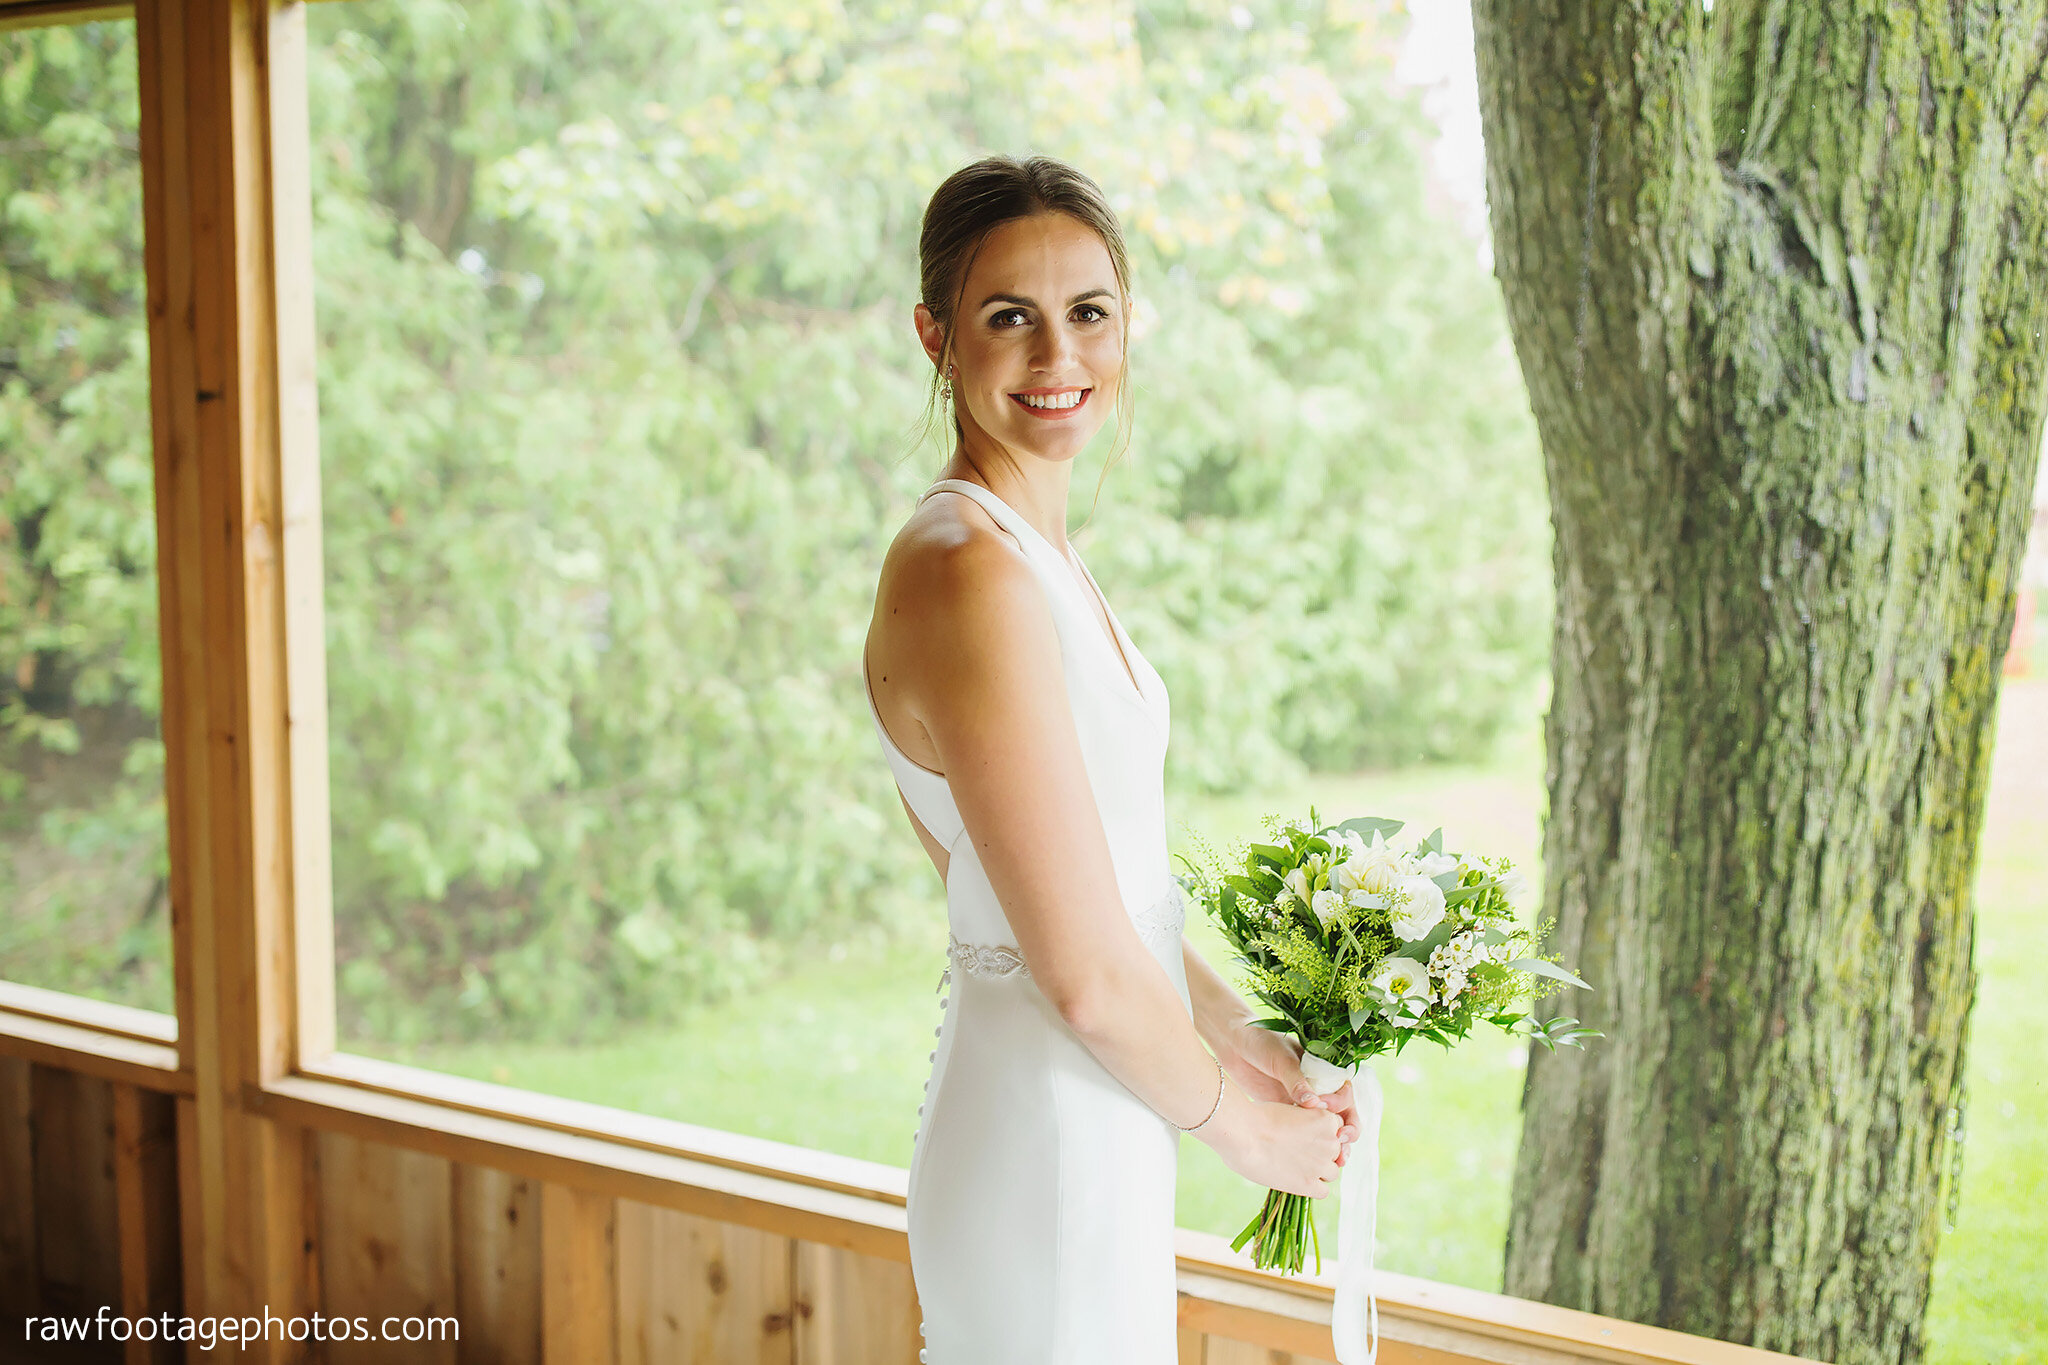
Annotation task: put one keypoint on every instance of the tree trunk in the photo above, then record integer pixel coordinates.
(1778, 276)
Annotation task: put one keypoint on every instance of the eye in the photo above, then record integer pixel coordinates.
(997, 319)
(1089, 312)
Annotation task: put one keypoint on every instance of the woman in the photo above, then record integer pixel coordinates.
(1028, 737)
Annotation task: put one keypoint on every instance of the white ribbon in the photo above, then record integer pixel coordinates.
(1355, 1315)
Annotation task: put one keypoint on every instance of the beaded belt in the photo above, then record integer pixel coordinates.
(1159, 925)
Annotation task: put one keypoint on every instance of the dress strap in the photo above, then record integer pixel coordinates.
(1005, 515)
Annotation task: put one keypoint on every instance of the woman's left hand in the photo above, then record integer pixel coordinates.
(1267, 1066)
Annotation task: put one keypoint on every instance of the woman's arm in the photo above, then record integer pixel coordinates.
(969, 639)
(1265, 1063)
(1219, 1010)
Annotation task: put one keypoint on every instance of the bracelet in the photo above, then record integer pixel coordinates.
(1219, 1099)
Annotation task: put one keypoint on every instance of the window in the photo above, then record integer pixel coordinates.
(82, 841)
(616, 387)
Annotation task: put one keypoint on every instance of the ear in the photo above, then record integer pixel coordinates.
(929, 332)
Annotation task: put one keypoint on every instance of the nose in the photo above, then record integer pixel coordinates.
(1055, 349)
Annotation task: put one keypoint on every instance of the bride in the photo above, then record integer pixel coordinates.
(1028, 736)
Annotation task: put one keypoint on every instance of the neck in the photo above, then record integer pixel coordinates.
(1036, 488)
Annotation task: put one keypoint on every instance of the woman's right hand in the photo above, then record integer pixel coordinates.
(1288, 1147)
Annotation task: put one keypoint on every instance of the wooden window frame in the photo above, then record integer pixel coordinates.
(251, 1049)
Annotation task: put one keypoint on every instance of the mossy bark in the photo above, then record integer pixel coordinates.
(1778, 279)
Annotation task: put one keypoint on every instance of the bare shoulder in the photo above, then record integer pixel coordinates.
(956, 596)
(949, 566)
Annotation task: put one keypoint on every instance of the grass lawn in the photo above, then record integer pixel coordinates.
(840, 1062)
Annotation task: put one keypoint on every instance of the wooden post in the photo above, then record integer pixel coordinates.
(579, 1280)
(218, 389)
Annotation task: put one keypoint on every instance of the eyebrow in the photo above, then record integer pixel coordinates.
(1033, 303)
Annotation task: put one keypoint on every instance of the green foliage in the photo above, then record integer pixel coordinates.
(617, 395)
(81, 767)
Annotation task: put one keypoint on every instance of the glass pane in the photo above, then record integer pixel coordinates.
(82, 845)
(618, 390)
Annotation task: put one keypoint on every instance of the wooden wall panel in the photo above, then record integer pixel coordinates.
(853, 1309)
(386, 1247)
(697, 1292)
(20, 1291)
(497, 1266)
(579, 1308)
(77, 1215)
(1224, 1351)
(146, 1193)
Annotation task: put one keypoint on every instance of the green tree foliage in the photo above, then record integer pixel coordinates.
(618, 393)
(81, 818)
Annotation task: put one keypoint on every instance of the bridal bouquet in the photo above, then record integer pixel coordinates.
(1359, 946)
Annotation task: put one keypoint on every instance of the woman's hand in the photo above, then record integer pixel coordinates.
(1287, 1147)
(1267, 1066)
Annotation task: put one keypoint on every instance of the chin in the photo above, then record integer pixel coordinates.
(1055, 448)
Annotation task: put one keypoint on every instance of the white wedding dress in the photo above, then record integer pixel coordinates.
(1041, 1188)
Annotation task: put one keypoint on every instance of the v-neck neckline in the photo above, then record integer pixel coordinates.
(1113, 637)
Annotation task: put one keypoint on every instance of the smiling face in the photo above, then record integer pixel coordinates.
(1038, 338)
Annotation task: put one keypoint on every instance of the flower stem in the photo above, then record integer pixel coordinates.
(1281, 1233)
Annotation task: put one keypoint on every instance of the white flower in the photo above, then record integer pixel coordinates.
(1327, 906)
(1402, 985)
(1453, 986)
(1297, 882)
(1419, 907)
(1459, 955)
(1365, 877)
(1515, 887)
(1434, 864)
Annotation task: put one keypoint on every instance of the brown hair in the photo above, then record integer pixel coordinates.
(977, 199)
